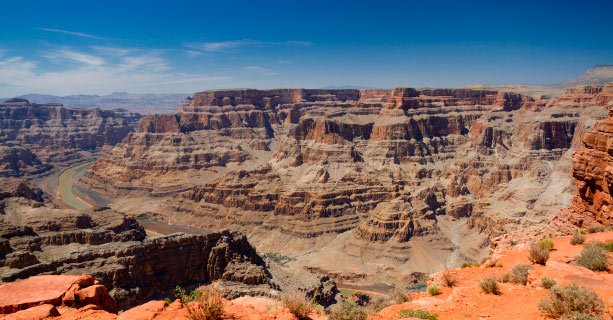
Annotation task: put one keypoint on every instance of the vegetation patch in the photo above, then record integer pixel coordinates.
(434, 290)
(519, 274)
(299, 306)
(539, 253)
(416, 313)
(548, 283)
(577, 238)
(594, 258)
(448, 279)
(490, 286)
(279, 258)
(208, 305)
(572, 302)
(472, 264)
(347, 310)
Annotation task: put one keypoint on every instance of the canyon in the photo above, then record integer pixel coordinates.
(265, 192)
(371, 187)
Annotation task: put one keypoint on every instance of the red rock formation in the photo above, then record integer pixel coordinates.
(593, 171)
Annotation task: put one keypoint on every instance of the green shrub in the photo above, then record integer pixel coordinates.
(490, 286)
(434, 290)
(505, 278)
(418, 287)
(607, 246)
(593, 258)
(577, 238)
(347, 310)
(539, 253)
(298, 305)
(571, 301)
(470, 264)
(519, 274)
(208, 306)
(416, 313)
(186, 297)
(546, 243)
(548, 283)
(596, 229)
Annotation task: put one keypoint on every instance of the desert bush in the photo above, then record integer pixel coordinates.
(546, 243)
(593, 258)
(607, 246)
(397, 296)
(489, 286)
(470, 264)
(596, 229)
(298, 305)
(416, 313)
(434, 290)
(538, 253)
(418, 287)
(580, 316)
(571, 302)
(519, 274)
(548, 283)
(347, 310)
(208, 306)
(448, 279)
(505, 278)
(186, 297)
(577, 238)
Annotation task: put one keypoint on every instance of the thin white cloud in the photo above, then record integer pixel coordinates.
(131, 70)
(72, 33)
(74, 56)
(222, 46)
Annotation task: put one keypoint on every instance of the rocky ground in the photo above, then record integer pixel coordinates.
(81, 297)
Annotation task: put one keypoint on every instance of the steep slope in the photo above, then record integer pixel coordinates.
(356, 182)
(55, 134)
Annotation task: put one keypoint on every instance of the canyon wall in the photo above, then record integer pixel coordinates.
(55, 134)
(593, 162)
(362, 180)
(37, 239)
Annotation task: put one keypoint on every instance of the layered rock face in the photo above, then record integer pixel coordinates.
(36, 239)
(402, 177)
(593, 166)
(56, 134)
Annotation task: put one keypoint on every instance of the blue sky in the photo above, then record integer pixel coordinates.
(98, 47)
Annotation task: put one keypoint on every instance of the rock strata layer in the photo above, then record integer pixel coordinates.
(36, 239)
(394, 176)
(55, 134)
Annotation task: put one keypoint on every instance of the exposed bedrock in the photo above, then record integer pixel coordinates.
(593, 171)
(302, 170)
(56, 134)
(36, 239)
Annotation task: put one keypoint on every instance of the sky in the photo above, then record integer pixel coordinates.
(99, 47)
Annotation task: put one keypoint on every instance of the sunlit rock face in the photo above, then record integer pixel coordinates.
(377, 173)
(55, 134)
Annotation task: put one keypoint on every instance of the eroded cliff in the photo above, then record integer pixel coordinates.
(355, 182)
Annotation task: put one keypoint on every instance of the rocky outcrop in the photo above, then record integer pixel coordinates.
(114, 249)
(375, 174)
(56, 134)
(20, 161)
(593, 172)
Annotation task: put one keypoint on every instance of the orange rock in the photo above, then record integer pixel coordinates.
(97, 295)
(38, 290)
(38, 312)
(145, 311)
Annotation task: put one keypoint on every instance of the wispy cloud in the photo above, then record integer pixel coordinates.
(72, 33)
(222, 46)
(73, 56)
(96, 72)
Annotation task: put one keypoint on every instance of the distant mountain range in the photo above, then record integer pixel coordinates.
(141, 103)
(167, 102)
